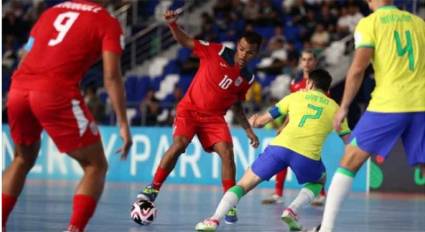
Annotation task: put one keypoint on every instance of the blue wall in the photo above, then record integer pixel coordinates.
(194, 167)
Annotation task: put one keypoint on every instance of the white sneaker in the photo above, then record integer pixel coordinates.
(291, 219)
(207, 225)
(319, 201)
(273, 199)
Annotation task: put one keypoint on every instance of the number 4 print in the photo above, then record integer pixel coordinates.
(62, 24)
(409, 48)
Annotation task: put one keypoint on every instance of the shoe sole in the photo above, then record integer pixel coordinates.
(206, 230)
(292, 224)
(229, 223)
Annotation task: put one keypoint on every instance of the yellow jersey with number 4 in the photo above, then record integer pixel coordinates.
(398, 40)
(310, 115)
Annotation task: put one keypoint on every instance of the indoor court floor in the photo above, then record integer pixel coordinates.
(45, 206)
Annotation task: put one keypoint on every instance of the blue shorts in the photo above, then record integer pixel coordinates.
(275, 158)
(376, 133)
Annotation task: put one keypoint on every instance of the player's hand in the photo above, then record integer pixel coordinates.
(253, 139)
(127, 142)
(171, 15)
(339, 117)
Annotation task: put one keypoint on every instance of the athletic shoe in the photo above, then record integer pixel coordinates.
(319, 201)
(273, 199)
(291, 218)
(231, 216)
(207, 225)
(148, 194)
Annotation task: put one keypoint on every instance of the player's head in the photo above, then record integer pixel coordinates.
(375, 4)
(319, 79)
(308, 60)
(247, 47)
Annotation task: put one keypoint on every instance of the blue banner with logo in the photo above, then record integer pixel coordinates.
(195, 166)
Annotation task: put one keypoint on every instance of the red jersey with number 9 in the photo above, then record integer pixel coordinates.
(219, 82)
(65, 41)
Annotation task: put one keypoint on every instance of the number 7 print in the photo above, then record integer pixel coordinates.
(318, 112)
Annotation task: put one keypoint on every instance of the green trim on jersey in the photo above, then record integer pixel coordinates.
(366, 46)
(388, 7)
(344, 132)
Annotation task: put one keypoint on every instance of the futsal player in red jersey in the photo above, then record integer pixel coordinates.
(308, 62)
(45, 94)
(220, 83)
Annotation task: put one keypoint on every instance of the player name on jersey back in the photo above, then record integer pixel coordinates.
(79, 6)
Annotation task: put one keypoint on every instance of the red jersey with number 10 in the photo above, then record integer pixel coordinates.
(219, 82)
(65, 41)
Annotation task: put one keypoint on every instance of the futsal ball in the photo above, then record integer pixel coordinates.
(143, 212)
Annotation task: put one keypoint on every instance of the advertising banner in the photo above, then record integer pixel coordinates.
(195, 166)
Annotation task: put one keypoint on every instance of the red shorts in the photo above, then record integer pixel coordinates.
(210, 129)
(67, 120)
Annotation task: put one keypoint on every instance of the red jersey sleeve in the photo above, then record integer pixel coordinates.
(113, 38)
(204, 49)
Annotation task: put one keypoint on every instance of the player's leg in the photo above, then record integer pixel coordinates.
(229, 200)
(321, 198)
(228, 172)
(166, 165)
(414, 141)
(14, 176)
(280, 182)
(71, 126)
(25, 131)
(94, 164)
(312, 174)
(375, 133)
(277, 195)
(184, 130)
(214, 135)
(263, 168)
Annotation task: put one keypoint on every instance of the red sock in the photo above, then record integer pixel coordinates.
(322, 192)
(227, 183)
(160, 175)
(83, 209)
(8, 202)
(280, 182)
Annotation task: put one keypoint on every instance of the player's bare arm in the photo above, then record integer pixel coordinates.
(179, 35)
(260, 120)
(115, 88)
(354, 80)
(241, 117)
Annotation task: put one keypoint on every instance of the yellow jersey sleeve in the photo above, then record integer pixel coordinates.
(363, 34)
(283, 105)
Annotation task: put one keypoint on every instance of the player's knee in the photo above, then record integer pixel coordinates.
(353, 158)
(25, 163)
(179, 147)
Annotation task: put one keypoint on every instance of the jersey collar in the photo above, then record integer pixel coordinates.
(387, 7)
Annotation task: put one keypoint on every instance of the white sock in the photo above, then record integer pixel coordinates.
(228, 201)
(304, 197)
(338, 191)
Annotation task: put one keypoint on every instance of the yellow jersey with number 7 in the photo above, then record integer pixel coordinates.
(310, 115)
(398, 40)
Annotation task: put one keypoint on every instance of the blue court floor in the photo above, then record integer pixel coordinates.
(46, 205)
